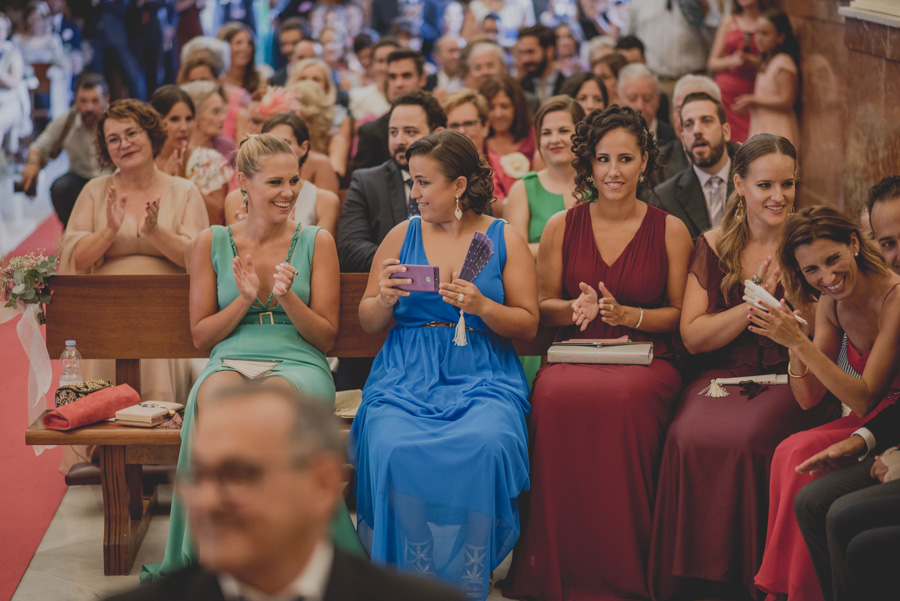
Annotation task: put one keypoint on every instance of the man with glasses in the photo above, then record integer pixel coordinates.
(266, 470)
(74, 132)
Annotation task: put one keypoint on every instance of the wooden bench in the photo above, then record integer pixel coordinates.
(129, 318)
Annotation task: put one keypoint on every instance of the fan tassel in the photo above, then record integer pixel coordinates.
(715, 390)
(460, 338)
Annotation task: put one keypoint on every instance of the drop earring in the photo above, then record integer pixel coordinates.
(739, 212)
(246, 198)
(458, 211)
(642, 178)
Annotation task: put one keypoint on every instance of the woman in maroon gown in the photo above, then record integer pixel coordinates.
(709, 523)
(733, 61)
(615, 267)
(823, 254)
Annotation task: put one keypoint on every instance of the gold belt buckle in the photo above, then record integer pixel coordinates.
(269, 315)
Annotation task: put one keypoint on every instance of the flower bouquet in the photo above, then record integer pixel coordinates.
(24, 280)
(23, 285)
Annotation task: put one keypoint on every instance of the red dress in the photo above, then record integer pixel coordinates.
(736, 82)
(596, 432)
(709, 521)
(787, 570)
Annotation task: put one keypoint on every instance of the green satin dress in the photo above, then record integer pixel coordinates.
(302, 364)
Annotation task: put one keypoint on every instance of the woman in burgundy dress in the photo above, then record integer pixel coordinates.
(615, 267)
(709, 523)
(823, 254)
(734, 60)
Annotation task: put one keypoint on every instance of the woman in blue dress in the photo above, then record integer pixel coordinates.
(440, 442)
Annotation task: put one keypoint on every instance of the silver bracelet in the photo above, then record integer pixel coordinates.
(640, 319)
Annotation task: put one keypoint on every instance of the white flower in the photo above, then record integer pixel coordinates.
(515, 164)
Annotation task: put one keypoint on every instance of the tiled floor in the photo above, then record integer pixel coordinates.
(68, 564)
(20, 215)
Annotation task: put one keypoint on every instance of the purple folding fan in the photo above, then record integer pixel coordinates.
(481, 249)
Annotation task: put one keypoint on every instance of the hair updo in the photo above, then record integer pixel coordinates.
(256, 147)
(588, 134)
(457, 156)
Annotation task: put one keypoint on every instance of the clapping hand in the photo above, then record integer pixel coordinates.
(611, 312)
(585, 307)
(245, 278)
(150, 222)
(115, 209)
(284, 278)
(175, 164)
(769, 273)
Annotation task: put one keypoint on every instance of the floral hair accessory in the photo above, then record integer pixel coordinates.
(278, 100)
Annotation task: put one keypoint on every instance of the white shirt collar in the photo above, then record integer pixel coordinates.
(310, 583)
(653, 129)
(703, 176)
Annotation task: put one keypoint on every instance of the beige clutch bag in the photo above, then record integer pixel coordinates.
(605, 353)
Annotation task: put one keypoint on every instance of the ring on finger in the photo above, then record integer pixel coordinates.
(460, 298)
(756, 279)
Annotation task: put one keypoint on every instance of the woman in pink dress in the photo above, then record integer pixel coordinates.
(823, 254)
(733, 61)
(773, 103)
(611, 266)
(510, 142)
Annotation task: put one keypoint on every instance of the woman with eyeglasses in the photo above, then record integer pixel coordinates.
(138, 220)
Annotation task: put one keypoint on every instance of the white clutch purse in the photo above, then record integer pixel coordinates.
(603, 352)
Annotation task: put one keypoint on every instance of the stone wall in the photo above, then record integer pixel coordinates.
(851, 102)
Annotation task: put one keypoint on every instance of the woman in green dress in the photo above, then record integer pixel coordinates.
(539, 194)
(295, 269)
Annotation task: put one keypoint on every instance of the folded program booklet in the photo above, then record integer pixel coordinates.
(601, 352)
(250, 369)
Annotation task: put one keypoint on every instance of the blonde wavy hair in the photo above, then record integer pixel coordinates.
(735, 228)
(315, 111)
(331, 88)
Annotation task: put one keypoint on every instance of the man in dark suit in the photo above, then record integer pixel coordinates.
(405, 73)
(535, 53)
(289, 36)
(261, 491)
(847, 514)
(378, 198)
(698, 194)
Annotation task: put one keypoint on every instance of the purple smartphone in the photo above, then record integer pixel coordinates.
(425, 278)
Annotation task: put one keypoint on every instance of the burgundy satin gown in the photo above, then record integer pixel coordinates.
(596, 433)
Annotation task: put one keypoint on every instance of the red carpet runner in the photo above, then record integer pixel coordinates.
(30, 487)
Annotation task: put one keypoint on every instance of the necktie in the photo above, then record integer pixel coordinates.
(412, 208)
(716, 203)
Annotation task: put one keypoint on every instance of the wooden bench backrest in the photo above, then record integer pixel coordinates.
(143, 317)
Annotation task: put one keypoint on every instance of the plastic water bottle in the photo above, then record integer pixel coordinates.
(70, 361)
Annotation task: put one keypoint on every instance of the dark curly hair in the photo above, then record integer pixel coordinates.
(144, 115)
(457, 156)
(588, 134)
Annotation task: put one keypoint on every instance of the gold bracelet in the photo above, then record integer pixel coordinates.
(803, 375)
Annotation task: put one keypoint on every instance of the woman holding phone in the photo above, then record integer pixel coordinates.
(439, 442)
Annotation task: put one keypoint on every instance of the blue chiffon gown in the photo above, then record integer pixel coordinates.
(440, 441)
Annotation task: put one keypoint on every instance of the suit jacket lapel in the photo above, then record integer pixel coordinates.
(690, 196)
(396, 195)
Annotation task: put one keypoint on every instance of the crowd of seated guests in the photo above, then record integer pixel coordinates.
(640, 197)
